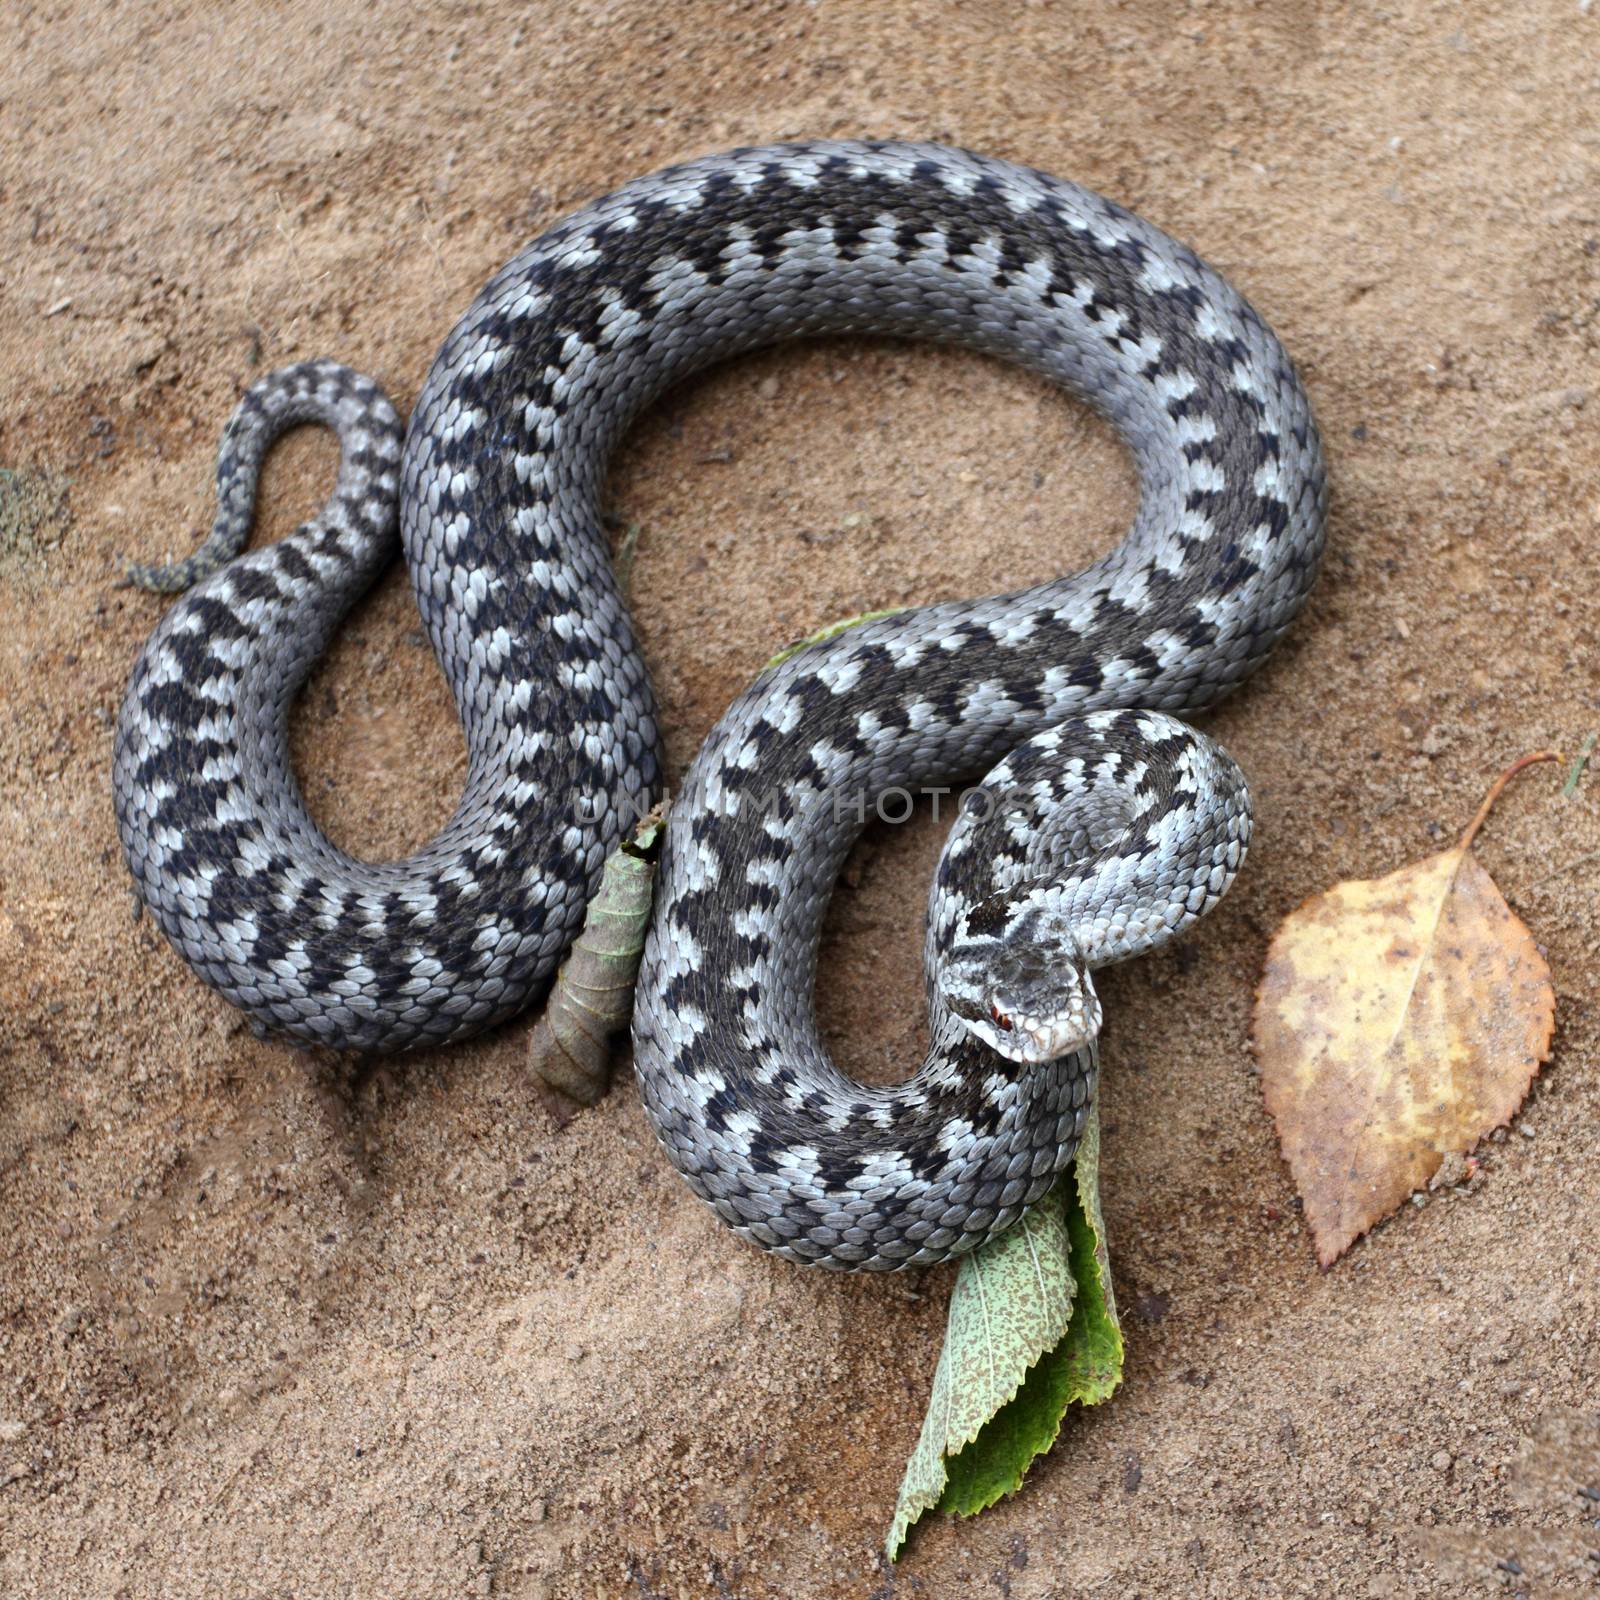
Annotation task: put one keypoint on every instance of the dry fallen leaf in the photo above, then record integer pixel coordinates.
(591, 1000)
(1398, 1020)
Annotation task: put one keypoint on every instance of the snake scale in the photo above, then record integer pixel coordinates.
(1106, 825)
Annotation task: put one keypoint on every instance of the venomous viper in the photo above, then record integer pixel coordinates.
(1106, 826)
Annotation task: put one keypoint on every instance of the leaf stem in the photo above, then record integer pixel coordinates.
(1498, 787)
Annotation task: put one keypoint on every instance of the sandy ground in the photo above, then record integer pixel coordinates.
(275, 1325)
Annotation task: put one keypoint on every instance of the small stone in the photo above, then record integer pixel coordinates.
(1152, 1308)
(10, 1432)
(1528, 1130)
(768, 388)
(1442, 1461)
(145, 353)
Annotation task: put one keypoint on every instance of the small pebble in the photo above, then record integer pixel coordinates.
(1528, 1130)
(1152, 1307)
(1442, 1461)
(10, 1432)
(768, 388)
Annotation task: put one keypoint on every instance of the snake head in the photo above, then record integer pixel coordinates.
(1028, 1001)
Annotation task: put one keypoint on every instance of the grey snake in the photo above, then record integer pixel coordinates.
(1106, 826)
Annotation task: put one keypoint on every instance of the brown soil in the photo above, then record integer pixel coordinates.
(271, 1325)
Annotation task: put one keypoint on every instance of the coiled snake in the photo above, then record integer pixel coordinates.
(1107, 826)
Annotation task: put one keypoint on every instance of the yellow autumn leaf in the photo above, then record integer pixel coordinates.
(1398, 1020)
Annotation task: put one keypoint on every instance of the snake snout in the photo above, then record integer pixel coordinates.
(1040, 1027)
(1024, 1008)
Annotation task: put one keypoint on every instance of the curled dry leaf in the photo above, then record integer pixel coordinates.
(1398, 1020)
(592, 999)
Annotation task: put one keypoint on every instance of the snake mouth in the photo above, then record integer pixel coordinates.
(1029, 1035)
(1027, 1039)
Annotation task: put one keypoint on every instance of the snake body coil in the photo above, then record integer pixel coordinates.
(1106, 826)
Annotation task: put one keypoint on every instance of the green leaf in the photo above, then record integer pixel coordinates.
(1092, 1351)
(1011, 1303)
(1032, 1327)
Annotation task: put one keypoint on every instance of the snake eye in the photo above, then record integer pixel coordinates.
(1001, 1020)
